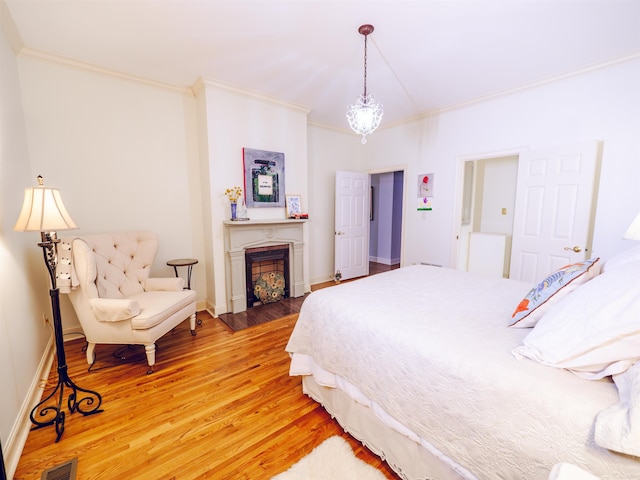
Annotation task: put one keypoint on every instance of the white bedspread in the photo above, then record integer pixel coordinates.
(618, 427)
(431, 347)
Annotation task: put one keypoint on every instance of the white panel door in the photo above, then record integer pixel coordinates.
(352, 224)
(556, 196)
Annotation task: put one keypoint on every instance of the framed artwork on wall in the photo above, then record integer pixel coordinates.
(425, 185)
(263, 178)
(293, 205)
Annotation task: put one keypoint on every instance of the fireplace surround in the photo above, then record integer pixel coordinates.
(239, 236)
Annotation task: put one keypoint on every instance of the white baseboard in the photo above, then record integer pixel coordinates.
(20, 431)
(216, 310)
(72, 333)
(385, 261)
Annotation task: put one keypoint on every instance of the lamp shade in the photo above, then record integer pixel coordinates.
(43, 211)
(633, 232)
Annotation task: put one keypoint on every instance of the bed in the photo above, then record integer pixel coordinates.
(432, 369)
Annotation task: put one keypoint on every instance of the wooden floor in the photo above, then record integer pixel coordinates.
(262, 313)
(219, 405)
(287, 306)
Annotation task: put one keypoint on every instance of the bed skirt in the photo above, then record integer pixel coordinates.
(408, 458)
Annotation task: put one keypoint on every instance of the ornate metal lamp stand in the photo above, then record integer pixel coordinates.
(86, 402)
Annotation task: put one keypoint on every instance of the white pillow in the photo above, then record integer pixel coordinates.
(628, 256)
(595, 331)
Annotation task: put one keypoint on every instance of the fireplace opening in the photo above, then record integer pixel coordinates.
(267, 270)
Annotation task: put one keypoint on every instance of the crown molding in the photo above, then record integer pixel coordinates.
(87, 67)
(203, 82)
(9, 28)
(527, 86)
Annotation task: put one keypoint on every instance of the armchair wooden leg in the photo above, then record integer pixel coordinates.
(91, 355)
(192, 324)
(150, 350)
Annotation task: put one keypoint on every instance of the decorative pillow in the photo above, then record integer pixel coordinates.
(595, 331)
(550, 290)
(628, 256)
(269, 287)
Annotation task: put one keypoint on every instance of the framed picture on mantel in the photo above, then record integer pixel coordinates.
(293, 205)
(263, 178)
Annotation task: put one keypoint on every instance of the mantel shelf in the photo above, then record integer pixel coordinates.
(264, 221)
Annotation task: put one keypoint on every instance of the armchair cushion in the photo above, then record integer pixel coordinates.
(114, 309)
(155, 307)
(167, 284)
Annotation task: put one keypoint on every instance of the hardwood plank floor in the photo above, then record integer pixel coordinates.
(287, 306)
(375, 267)
(219, 405)
(262, 313)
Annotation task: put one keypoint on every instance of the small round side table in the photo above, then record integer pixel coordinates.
(183, 262)
(189, 263)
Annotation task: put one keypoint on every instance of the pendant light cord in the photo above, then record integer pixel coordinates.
(365, 66)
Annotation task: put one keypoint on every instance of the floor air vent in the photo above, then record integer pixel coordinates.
(64, 471)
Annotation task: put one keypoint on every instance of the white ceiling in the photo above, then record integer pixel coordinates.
(423, 55)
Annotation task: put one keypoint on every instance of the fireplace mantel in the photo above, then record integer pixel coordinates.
(240, 235)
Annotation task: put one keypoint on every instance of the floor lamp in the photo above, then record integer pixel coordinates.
(44, 212)
(3, 471)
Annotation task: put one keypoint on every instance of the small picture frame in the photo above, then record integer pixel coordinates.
(293, 205)
(425, 185)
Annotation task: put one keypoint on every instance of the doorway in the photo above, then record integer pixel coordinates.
(486, 222)
(385, 219)
(553, 193)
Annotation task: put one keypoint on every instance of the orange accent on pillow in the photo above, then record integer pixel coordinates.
(522, 306)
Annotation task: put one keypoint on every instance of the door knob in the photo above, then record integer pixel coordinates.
(339, 233)
(576, 249)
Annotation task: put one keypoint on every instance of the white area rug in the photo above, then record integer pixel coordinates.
(333, 459)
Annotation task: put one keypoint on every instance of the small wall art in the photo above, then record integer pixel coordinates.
(425, 204)
(263, 178)
(425, 185)
(293, 205)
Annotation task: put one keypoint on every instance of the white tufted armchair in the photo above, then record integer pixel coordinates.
(114, 298)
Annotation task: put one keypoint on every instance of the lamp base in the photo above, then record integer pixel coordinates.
(86, 402)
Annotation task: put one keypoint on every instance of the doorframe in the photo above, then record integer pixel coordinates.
(459, 190)
(397, 168)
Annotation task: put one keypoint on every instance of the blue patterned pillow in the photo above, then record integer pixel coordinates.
(557, 285)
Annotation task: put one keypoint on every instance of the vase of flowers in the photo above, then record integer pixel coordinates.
(233, 194)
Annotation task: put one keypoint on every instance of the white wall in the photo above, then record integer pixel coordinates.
(603, 104)
(329, 151)
(235, 120)
(24, 287)
(122, 152)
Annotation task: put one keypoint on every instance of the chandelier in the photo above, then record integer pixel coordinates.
(364, 116)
